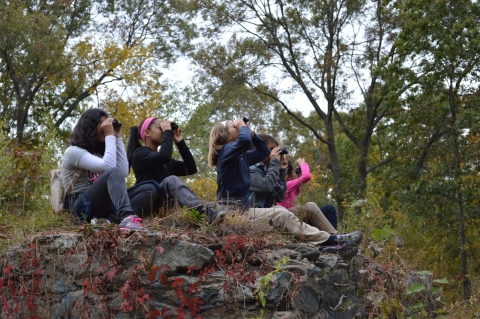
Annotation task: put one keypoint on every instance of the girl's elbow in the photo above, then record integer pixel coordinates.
(306, 179)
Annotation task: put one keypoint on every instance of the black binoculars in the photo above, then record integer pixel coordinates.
(116, 124)
(298, 171)
(284, 150)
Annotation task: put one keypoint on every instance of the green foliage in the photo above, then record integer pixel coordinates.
(416, 287)
(383, 234)
(24, 187)
(193, 216)
(204, 187)
(266, 281)
(25, 174)
(56, 57)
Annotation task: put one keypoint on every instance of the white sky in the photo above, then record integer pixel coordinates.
(182, 72)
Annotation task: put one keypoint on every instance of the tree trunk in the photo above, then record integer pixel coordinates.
(460, 213)
(463, 253)
(22, 112)
(335, 168)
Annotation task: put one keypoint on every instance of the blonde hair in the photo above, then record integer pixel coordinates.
(219, 136)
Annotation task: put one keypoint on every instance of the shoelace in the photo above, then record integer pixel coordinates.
(136, 220)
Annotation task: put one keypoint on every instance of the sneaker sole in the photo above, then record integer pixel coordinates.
(261, 224)
(355, 241)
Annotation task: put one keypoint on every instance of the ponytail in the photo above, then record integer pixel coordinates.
(218, 138)
(133, 143)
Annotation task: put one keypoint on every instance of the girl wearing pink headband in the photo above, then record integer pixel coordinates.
(153, 165)
(145, 126)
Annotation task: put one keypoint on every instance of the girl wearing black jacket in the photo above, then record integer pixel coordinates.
(153, 164)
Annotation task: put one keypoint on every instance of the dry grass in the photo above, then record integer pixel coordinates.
(16, 228)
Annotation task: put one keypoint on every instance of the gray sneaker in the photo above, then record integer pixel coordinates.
(350, 239)
(262, 224)
(215, 217)
(132, 223)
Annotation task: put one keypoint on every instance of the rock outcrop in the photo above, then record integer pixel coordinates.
(101, 273)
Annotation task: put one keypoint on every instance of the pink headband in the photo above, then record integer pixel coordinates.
(145, 126)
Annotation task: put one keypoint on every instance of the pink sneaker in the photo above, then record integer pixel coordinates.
(132, 223)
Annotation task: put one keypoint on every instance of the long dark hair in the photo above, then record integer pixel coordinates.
(290, 168)
(134, 140)
(85, 134)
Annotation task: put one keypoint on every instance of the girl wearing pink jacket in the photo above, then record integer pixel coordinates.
(324, 218)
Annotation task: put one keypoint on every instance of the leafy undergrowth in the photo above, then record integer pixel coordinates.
(409, 273)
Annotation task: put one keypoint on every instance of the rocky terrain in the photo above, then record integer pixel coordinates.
(102, 273)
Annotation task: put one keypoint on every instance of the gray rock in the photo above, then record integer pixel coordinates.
(275, 295)
(307, 300)
(284, 315)
(65, 242)
(181, 255)
(14, 256)
(74, 305)
(300, 268)
(75, 282)
(307, 252)
(329, 261)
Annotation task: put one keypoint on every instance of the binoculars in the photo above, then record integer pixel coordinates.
(284, 150)
(116, 124)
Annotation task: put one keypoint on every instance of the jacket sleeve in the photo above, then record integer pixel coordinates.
(101, 164)
(265, 184)
(122, 161)
(305, 178)
(260, 152)
(239, 147)
(153, 159)
(281, 187)
(188, 166)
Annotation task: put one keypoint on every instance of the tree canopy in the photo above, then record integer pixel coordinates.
(392, 90)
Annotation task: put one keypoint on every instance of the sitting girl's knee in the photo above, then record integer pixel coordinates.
(171, 178)
(114, 171)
